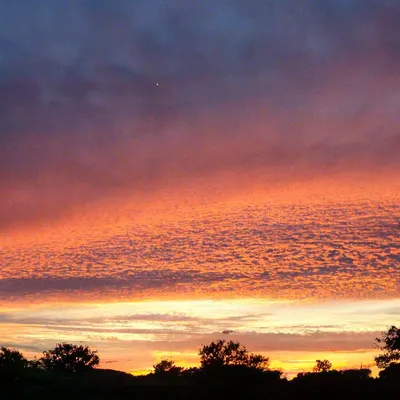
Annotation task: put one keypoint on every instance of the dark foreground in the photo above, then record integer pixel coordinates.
(229, 384)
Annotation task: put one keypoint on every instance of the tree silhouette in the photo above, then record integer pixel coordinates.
(322, 366)
(221, 354)
(165, 367)
(258, 361)
(69, 358)
(389, 344)
(12, 363)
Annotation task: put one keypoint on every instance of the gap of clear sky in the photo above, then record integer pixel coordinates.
(174, 172)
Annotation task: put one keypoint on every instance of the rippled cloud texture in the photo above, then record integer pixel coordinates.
(164, 161)
(335, 250)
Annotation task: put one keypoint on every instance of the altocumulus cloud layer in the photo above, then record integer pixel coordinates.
(294, 251)
(102, 99)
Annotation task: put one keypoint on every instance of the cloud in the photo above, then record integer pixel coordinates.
(220, 253)
(183, 332)
(291, 90)
(142, 280)
(138, 333)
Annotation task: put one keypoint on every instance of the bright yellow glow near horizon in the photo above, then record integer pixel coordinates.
(134, 335)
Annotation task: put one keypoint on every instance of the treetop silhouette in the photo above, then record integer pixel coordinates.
(389, 344)
(222, 353)
(12, 363)
(322, 366)
(69, 358)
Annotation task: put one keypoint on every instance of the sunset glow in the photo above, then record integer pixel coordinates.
(166, 182)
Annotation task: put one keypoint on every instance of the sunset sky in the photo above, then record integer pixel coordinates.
(174, 172)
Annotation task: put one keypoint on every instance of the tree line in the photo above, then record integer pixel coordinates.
(223, 364)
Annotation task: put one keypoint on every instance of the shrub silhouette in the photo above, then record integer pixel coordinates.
(322, 366)
(389, 344)
(69, 358)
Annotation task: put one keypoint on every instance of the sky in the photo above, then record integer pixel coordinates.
(174, 172)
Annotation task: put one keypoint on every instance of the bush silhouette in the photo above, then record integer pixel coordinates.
(69, 358)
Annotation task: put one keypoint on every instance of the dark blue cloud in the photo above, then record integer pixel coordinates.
(107, 93)
(90, 52)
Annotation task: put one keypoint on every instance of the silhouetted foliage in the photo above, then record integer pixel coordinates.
(69, 358)
(11, 358)
(12, 363)
(228, 370)
(35, 364)
(165, 367)
(222, 354)
(322, 366)
(191, 372)
(391, 373)
(361, 374)
(348, 384)
(389, 344)
(257, 361)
